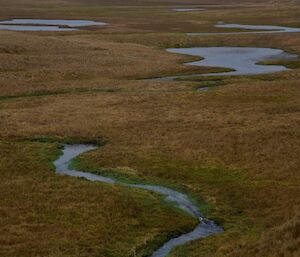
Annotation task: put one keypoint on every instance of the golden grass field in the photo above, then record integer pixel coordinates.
(234, 149)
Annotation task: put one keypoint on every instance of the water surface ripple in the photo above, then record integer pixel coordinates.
(203, 229)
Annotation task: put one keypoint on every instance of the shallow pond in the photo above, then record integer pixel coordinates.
(242, 60)
(259, 29)
(203, 229)
(46, 25)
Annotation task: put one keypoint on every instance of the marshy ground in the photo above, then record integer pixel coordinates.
(234, 149)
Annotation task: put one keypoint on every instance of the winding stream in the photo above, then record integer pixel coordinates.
(203, 229)
(46, 25)
(241, 60)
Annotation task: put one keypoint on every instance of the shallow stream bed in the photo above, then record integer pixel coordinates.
(205, 227)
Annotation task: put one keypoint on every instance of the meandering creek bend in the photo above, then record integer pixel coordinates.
(241, 60)
(205, 227)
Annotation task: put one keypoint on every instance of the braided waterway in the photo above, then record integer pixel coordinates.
(204, 228)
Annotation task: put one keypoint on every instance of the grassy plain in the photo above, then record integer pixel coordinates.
(43, 214)
(234, 149)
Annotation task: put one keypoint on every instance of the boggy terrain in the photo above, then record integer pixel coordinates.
(234, 149)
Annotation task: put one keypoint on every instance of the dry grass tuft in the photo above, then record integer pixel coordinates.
(234, 149)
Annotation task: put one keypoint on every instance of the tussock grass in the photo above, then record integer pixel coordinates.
(126, 49)
(235, 150)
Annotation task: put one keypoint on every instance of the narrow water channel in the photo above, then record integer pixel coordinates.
(258, 29)
(205, 227)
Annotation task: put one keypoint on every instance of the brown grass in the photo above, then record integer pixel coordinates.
(236, 148)
(43, 214)
(35, 63)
